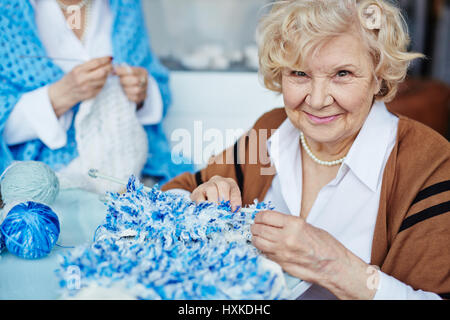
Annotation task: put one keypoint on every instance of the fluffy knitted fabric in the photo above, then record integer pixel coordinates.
(158, 245)
(130, 42)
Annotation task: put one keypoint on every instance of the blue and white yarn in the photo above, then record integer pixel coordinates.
(28, 226)
(30, 230)
(158, 245)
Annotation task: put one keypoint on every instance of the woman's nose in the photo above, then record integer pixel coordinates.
(319, 97)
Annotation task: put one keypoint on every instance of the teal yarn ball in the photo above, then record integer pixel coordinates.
(29, 181)
(30, 230)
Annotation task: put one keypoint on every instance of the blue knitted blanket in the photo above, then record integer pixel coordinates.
(158, 245)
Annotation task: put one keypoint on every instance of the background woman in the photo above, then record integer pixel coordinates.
(55, 59)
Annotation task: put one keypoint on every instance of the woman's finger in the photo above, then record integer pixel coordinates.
(96, 63)
(136, 75)
(235, 195)
(211, 192)
(223, 189)
(271, 218)
(133, 91)
(130, 81)
(137, 99)
(97, 83)
(198, 195)
(92, 91)
(122, 71)
(136, 96)
(264, 245)
(99, 74)
(267, 232)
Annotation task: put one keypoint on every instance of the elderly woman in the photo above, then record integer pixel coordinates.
(56, 58)
(361, 194)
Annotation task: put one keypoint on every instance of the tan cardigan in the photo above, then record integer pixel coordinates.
(412, 233)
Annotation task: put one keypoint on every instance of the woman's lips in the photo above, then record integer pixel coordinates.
(321, 120)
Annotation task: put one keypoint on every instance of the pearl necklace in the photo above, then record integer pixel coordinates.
(80, 5)
(315, 159)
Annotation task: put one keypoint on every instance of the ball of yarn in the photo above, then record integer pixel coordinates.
(2, 243)
(29, 181)
(30, 230)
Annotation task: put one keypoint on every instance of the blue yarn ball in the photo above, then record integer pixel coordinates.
(29, 181)
(30, 230)
(2, 243)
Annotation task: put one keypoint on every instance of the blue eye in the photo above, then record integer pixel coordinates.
(299, 73)
(343, 73)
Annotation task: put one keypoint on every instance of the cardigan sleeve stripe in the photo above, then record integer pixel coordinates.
(432, 190)
(445, 295)
(425, 214)
(237, 168)
(198, 178)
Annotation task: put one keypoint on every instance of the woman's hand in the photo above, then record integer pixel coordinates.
(82, 83)
(218, 189)
(134, 82)
(312, 254)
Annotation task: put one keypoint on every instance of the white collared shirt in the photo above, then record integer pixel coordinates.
(347, 207)
(33, 115)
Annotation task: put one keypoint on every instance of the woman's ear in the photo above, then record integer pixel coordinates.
(377, 85)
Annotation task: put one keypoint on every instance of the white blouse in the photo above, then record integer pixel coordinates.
(347, 207)
(33, 115)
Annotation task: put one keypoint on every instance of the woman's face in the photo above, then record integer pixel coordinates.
(330, 99)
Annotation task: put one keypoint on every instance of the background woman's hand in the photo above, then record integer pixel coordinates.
(82, 83)
(311, 254)
(218, 189)
(134, 82)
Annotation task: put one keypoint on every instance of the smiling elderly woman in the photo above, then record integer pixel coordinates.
(361, 194)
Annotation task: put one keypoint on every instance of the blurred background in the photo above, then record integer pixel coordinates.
(209, 45)
(223, 33)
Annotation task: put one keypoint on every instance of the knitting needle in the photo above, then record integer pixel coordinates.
(94, 173)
